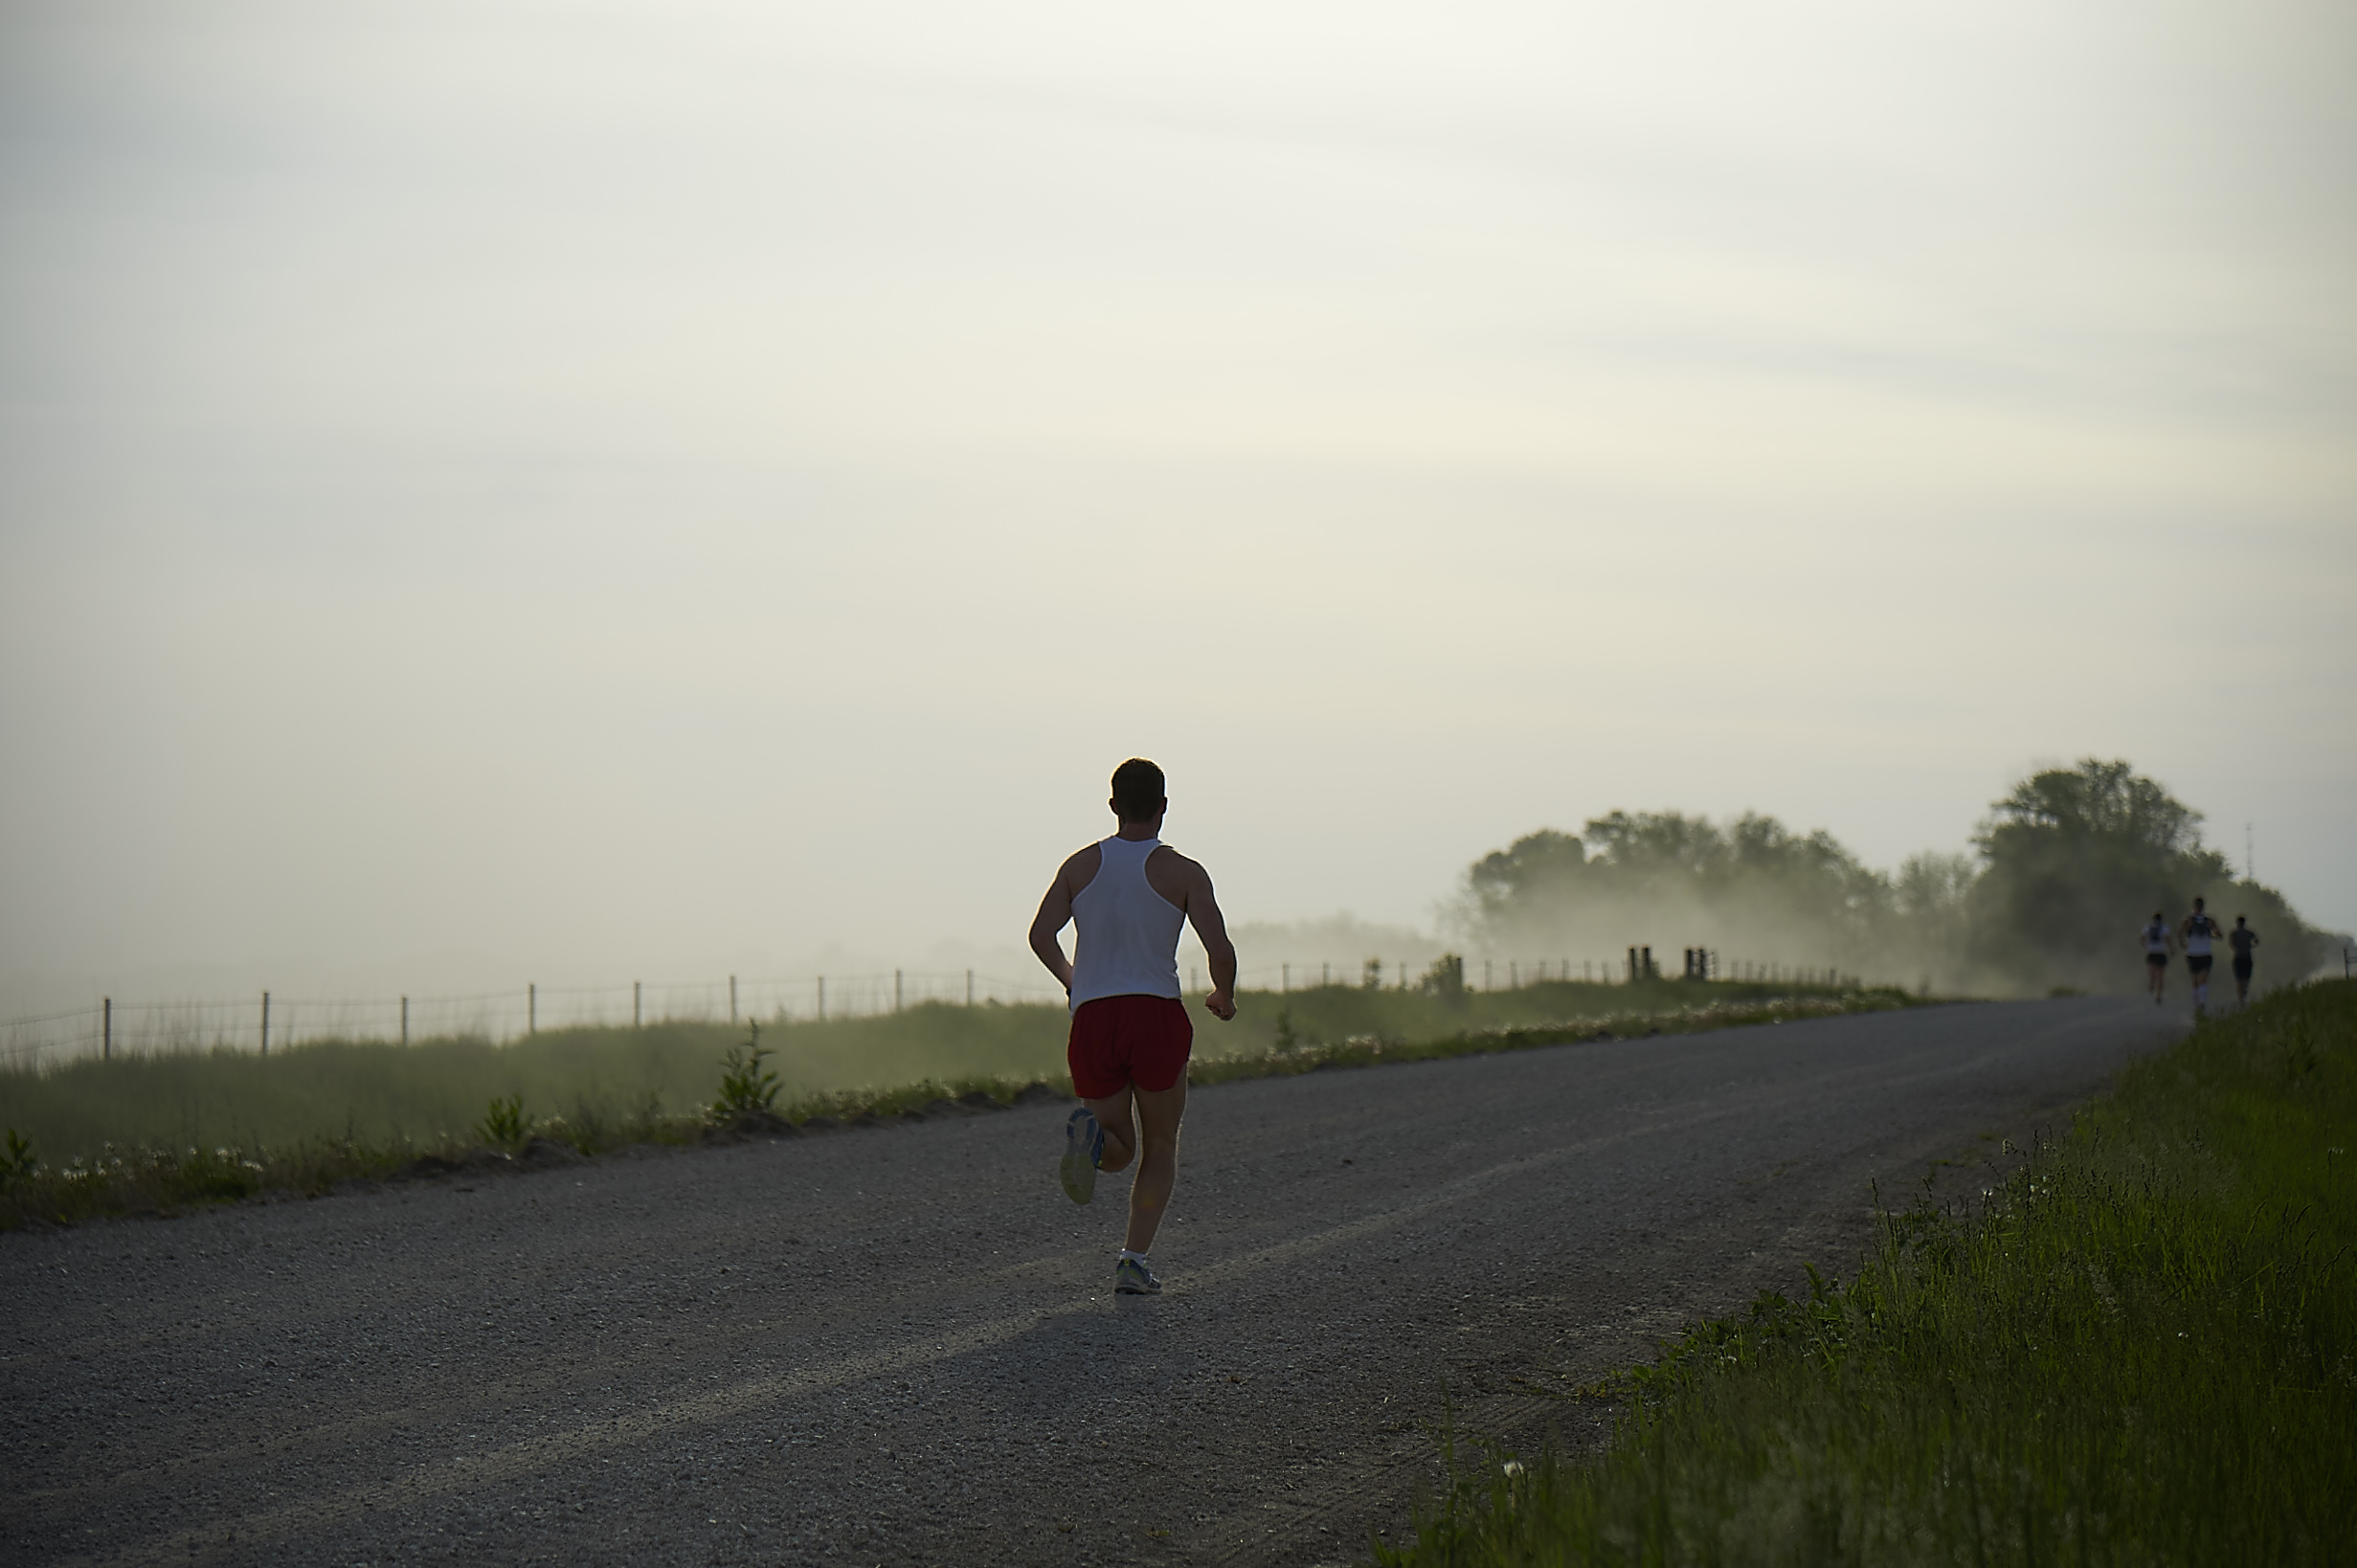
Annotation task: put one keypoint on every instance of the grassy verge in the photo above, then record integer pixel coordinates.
(2139, 1348)
(379, 1093)
(289, 1123)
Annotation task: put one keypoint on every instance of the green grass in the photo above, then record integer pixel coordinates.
(376, 1092)
(372, 1092)
(2139, 1348)
(155, 1132)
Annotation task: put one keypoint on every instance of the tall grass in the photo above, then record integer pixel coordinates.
(149, 1134)
(376, 1092)
(2139, 1348)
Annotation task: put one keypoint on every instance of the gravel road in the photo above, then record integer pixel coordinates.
(900, 1345)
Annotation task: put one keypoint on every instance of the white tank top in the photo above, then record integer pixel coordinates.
(1126, 934)
(2156, 937)
(2197, 936)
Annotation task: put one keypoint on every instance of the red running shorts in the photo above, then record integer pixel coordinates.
(1120, 1041)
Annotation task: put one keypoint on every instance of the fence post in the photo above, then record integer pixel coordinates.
(969, 988)
(821, 998)
(106, 1029)
(637, 1015)
(731, 998)
(531, 1008)
(404, 1021)
(265, 1024)
(895, 991)
(1287, 982)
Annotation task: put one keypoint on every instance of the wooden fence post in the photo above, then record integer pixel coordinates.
(265, 1024)
(637, 1013)
(404, 1021)
(106, 1030)
(531, 1008)
(731, 998)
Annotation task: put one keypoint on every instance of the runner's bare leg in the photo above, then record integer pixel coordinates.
(1157, 1172)
(1113, 1114)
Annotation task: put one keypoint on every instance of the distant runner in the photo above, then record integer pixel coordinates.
(2242, 939)
(1128, 896)
(2156, 954)
(2197, 929)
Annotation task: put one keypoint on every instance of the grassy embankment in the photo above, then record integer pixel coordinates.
(2139, 1348)
(152, 1133)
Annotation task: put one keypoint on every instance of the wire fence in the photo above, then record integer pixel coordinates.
(269, 1021)
(1492, 974)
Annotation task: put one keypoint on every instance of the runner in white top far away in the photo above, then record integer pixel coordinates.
(2157, 941)
(1128, 896)
(2197, 929)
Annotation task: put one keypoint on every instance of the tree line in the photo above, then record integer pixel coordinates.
(2066, 869)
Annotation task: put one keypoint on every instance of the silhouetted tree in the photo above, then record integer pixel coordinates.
(2071, 861)
(2077, 859)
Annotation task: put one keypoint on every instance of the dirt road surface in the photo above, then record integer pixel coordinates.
(900, 1345)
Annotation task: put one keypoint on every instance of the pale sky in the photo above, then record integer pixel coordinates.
(584, 491)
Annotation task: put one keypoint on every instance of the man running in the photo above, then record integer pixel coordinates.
(1128, 896)
(2156, 954)
(2242, 939)
(2197, 929)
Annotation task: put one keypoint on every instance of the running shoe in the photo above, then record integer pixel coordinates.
(1083, 1142)
(1132, 1278)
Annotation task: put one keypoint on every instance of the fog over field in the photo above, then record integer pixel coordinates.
(504, 492)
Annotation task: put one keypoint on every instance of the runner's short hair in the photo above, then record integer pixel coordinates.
(1137, 789)
(2197, 904)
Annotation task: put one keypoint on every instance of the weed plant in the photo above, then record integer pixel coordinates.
(2139, 1348)
(502, 1125)
(745, 1085)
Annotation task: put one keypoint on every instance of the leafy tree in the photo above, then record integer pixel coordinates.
(1666, 879)
(2077, 858)
(1542, 867)
(2070, 861)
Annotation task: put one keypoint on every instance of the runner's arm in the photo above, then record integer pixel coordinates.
(1055, 913)
(1211, 926)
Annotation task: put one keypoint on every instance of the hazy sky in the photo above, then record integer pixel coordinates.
(593, 491)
